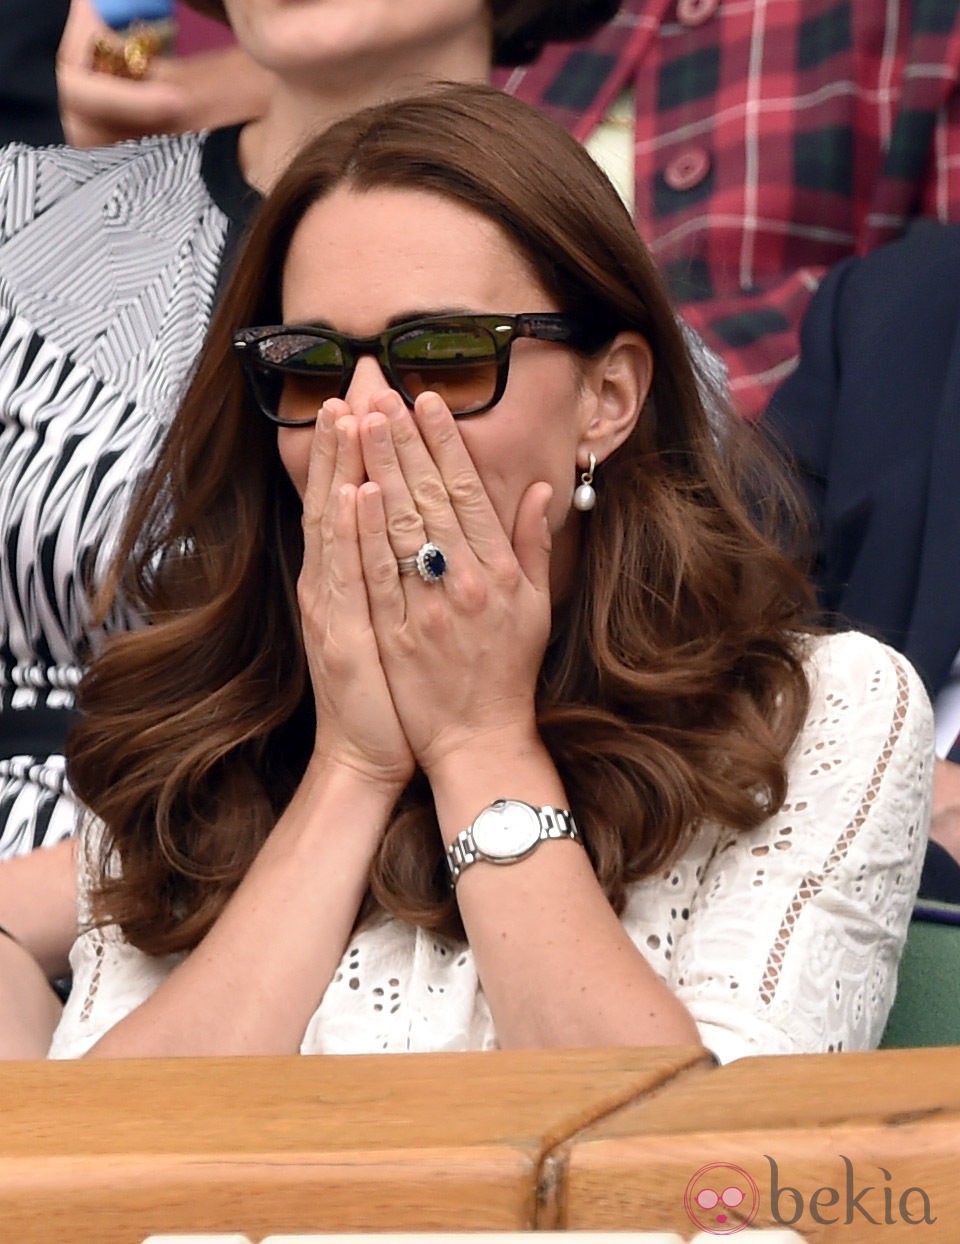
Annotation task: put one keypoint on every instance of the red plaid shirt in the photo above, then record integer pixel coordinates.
(774, 138)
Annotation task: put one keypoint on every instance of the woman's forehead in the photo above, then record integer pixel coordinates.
(375, 253)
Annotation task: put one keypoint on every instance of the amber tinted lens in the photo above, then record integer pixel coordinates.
(297, 372)
(457, 361)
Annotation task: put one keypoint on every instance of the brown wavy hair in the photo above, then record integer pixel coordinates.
(672, 687)
(521, 28)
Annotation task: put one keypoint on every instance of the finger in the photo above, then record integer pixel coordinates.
(404, 524)
(347, 613)
(83, 26)
(119, 104)
(328, 594)
(323, 458)
(460, 486)
(335, 460)
(380, 573)
(416, 503)
(426, 487)
(532, 542)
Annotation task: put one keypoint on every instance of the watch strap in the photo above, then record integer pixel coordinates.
(554, 823)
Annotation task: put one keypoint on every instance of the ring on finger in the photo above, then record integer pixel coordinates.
(428, 562)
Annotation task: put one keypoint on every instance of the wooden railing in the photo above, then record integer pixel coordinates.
(848, 1147)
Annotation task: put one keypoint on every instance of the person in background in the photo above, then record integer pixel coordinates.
(870, 419)
(29, 107)
(760, 144)
(474, 706)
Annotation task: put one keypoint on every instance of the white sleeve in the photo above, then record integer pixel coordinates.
(110, 977)
(795, 930)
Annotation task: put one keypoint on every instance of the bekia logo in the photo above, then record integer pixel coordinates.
(722, 1199)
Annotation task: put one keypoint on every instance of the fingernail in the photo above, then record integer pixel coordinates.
(325, 418)
(432, 405)
(392, 406)
(377, 429)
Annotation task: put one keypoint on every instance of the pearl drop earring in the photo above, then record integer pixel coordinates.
(585, 497)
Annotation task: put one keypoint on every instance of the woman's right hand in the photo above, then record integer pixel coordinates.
(357, 724)
(258, 975)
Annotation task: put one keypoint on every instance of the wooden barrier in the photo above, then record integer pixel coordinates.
(111, 1152)
(846, 1148)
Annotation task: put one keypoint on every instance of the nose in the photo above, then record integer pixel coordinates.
(366, 385)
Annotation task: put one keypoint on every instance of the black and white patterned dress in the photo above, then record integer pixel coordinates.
(109, 268)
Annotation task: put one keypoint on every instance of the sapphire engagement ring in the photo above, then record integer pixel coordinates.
(428, 562)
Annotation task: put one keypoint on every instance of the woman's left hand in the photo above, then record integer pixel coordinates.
(462, 655)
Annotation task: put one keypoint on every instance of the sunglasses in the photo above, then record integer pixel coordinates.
(463, 358)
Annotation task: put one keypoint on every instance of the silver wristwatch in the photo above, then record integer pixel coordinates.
(505, 831)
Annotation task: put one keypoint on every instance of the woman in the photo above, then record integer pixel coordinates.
(109, 267)
(474, 709)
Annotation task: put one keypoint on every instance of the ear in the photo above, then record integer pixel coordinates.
(617, 382)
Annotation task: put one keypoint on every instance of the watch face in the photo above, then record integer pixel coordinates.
(506, 830)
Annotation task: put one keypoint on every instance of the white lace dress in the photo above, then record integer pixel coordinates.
(782, 940)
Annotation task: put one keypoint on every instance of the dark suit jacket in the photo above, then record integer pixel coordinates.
(30, 31)
(873, 417)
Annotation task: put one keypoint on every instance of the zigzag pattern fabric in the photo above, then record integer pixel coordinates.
(109, 262)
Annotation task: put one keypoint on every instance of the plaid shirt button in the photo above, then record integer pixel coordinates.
(878, 86)
(696, 12)
(688, 169)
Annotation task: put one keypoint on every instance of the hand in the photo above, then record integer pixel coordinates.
(203, 91)
(462, 656)
(357, 724)
(96, 108)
